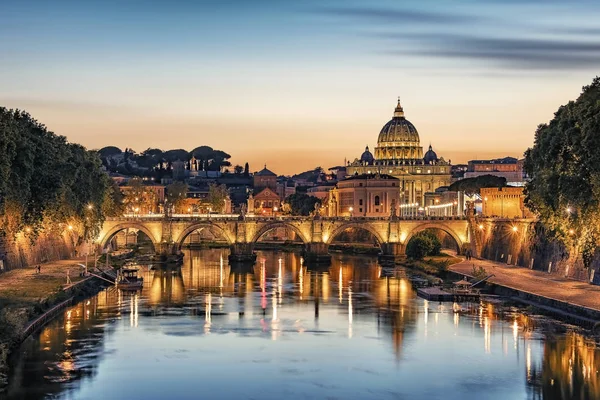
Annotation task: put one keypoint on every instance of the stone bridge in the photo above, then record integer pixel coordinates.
(168, 234)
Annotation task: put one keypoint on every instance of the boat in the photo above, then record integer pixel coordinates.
(128, 279)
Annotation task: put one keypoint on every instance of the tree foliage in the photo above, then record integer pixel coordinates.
(564, 168)
(217, 194)
(301, 203)
(423, 244)
(47, 183)
(176, 194)
(473, 186)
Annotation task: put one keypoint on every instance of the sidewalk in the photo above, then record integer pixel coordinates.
(24, 286)
(536, 282)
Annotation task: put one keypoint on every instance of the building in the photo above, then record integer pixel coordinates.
(399, 154)
(266, 202)
(264, 179)
(508, 167)
(504, 202)
(369, 195)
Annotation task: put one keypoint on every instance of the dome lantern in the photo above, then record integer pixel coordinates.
(399, 111)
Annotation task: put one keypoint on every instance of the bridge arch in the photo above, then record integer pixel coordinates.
(435, 226)
(358, 225)
(107, 237)
(203, 225)
(279, 224)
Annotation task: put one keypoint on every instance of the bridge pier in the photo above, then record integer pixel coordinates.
(316, 253)
(392, 253)
(242, 253)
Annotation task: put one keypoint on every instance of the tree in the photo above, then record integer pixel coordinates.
(176, 195)
(423, 244)
(472, 186)
(246, 170)
(109, 151)
(46, 183)
(564, 170)
(301, 203)
(238, 169)
(217, 194)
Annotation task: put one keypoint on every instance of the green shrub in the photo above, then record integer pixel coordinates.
(423, 244)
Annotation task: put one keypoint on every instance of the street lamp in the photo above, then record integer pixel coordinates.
(350, 209)
(274, 210)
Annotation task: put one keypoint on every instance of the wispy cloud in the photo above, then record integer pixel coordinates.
(507, 40)
(397, 16)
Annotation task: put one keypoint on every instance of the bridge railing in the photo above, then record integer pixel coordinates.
(236, 217)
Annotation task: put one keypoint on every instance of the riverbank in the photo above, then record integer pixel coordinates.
(562, 297)
(26, 295)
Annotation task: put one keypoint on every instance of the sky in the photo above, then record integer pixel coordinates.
(297, 84)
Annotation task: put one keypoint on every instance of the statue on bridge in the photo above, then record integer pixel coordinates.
(317, 212)
(393, 209)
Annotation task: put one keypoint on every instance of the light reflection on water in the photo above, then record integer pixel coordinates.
(282, 330)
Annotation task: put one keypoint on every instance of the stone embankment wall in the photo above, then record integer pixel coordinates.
(21, 252)
(524, 244)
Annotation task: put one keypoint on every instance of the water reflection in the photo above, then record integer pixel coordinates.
(354, 316)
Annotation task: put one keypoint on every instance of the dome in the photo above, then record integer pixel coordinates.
(430, 157)
(398, 129)
(399, 139)
(367, 157)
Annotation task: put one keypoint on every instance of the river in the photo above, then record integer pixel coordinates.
(282, 331)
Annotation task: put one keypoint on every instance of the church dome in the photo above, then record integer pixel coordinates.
(367, 157)
(399, 139)
(398, 129)
(430, 157)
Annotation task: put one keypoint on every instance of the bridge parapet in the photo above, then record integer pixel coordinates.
(392, 234)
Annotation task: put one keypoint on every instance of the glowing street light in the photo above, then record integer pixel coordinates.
(350, 209)
(70, 227)
(571, 231)
(480, 226)
(90, 206)
(569, 210)
(514, 228)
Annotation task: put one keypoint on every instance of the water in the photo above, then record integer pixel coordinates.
(353, 331)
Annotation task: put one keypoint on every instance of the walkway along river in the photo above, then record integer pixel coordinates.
(279, 330)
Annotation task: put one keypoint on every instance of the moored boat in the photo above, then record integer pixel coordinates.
(128, 279)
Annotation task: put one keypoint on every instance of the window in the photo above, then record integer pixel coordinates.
(257, 204)
(360, 202)
(393, 183)
(377, 201)
(360, 184)
(360, 210)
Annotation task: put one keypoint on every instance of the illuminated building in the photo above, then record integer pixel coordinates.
(399, 154)
(505, 202)
(370, 195)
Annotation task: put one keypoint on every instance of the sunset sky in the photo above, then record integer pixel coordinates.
(297, 84)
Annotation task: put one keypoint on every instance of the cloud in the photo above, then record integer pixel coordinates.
(389, 15)
(501, 40)
(542, 54)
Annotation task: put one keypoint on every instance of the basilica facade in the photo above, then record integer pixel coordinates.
(399, 154)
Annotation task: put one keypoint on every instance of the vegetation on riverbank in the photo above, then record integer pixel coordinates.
(564, 170)
(48, 187)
